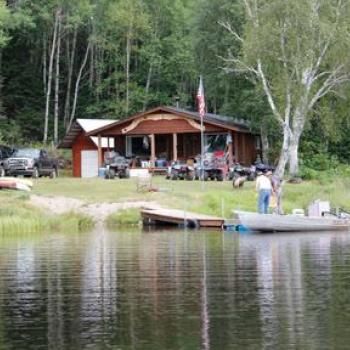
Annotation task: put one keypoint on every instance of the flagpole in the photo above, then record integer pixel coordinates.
(202, 153)
(201, 114)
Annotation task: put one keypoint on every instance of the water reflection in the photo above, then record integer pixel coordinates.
(174, 290)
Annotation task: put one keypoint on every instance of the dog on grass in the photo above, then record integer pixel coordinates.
(239, 182)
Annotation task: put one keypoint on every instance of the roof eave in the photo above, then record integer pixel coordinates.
(169, 110)
(71, 135)
(119, 122)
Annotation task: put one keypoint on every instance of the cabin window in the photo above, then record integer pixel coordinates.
(138, 146)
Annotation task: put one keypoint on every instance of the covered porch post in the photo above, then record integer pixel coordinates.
(174, 147)
(153, 150)
(230, 148)
(99, 151)
(235, 140)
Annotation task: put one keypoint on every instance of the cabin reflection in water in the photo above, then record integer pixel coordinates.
(173, 289)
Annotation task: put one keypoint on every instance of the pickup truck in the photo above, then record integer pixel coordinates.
(31, 162)
(5, 152)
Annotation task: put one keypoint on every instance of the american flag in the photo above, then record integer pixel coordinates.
(200, 99)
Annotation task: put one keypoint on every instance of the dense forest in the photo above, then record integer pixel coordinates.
(61, 60)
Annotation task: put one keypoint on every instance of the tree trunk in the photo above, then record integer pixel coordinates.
(298, 126)
(128, 54)
(109, 86)
(2, 116)
(71, 60)
(44, 62)
(116, 83)
(148, 84)
(48, 89)
(92, 60)
(98, 63)
(57, 82)
(264, 144)
(77, 84)
(284, 156)
(294, 155)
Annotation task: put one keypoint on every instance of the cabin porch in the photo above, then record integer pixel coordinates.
(158, 151)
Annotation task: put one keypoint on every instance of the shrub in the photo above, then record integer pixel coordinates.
(127, 217)
(308, 173)
(321, 162)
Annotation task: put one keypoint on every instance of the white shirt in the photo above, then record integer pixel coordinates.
(263, 183)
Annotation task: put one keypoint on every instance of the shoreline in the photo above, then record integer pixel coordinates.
(71, 204)
(98, 212)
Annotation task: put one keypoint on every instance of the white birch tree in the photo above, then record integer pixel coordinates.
(57, 80)
(298, 51)
(50, 72)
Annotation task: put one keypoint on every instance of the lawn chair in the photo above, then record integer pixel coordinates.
(144, 182)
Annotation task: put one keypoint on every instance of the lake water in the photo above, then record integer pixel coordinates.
(175, 290)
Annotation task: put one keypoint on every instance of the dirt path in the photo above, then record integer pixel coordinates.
(97, 211)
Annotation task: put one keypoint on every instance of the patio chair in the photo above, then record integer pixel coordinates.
(144, 182)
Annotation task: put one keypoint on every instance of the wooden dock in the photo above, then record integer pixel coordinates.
(159, 216)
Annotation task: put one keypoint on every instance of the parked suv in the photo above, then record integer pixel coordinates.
(5, 152)
(31, 162)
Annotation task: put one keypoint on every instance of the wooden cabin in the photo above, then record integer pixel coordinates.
(155, 138)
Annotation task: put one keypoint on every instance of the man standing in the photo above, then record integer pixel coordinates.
(277, 192)
(264, 188)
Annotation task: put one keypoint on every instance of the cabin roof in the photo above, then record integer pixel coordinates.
(217, 118)
(85, 125)
(214, 119)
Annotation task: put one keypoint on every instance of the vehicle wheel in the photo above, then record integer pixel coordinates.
(190, 176)
(251, 177)
(53, 174)
(124, 174)
(36, 173)
(110, 174)
(2, 172)
(220, 177)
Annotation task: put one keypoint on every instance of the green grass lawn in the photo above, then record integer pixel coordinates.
(215, 198)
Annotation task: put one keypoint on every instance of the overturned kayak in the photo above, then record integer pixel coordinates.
(290, 223)
(15, 184)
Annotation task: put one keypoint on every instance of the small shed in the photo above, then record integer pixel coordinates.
(85, 148)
